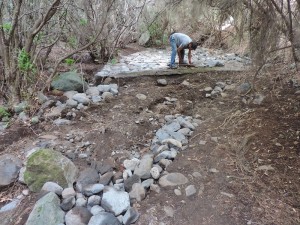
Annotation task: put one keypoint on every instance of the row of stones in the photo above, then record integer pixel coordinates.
(108, 197)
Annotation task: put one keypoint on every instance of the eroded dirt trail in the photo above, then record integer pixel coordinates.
(246, 155)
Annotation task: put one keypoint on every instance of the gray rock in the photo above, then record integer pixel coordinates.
(244, 88)
(138, 192)
(81, 202)
(131, 216)
(174, 126)
(68, 192)
(185, 123)
(143, 169)
(172, 179)
(103, 166)
(94, 200)
(258, 99)
(141, 97)
(130, 181)
(67, 203)
(147, 183)
(104, 218)
(92, 189)
(46, 209)
(106, 178)
(86, 177)
(71, 103)
(103, 88)
(20, 107)
(96, 209)
(115, 201)
(155, 173)
(10, 206)
(78, 216)
(131, 164)
(155, 188)
(61, 122)
(81, 98)
(93, 91)
(190, 190)
(52, 187)
(70, 94)
(9, 169)
(172, 143)
(162, 82)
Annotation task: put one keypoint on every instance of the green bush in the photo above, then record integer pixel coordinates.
(4, 112)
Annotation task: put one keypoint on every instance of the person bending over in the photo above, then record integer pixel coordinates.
(179, 42)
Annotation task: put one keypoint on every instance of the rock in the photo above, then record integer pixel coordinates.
(10, 206)
(68, 203)
(9, 169)
(144, 39)
(104, 218)
(68, 192)
(87, 177)
(131, 164)
(190, 190)
(143, 169)
(106, 178)
(169, 211)
(131, 216)
(128, 183)
(115, 201)
(81, 98)
(92, 189)
(155, 173)
(48, 165)
(103, 88)
(258, 99)
(52, 187)
(92, 91)
(96, 209)
(107, 96)
(81, 201)
(20, 107)
(141, 97)
(244, 88)
(162, 82)
(147, 183)
(69, 81)
(184, 123)
(172, 143)
(137, 192)
(61, 122)
(78, 216)
(103, 166)
(172, 179)
(46, 209)
(94, 200)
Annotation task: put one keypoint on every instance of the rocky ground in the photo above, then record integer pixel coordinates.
(240, 162)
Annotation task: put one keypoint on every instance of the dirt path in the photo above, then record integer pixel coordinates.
(246, 156)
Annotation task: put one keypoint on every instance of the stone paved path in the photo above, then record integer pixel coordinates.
(157, 60)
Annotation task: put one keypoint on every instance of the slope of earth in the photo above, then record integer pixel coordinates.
(246, 156)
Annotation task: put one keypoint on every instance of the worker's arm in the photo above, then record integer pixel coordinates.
(190, 56)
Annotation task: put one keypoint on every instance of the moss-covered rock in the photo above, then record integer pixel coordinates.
(49, 165)
(69, 81)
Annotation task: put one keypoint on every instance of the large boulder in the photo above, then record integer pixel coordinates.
(9, 169)
(47, 211)
(69, 81)
(48, 165)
